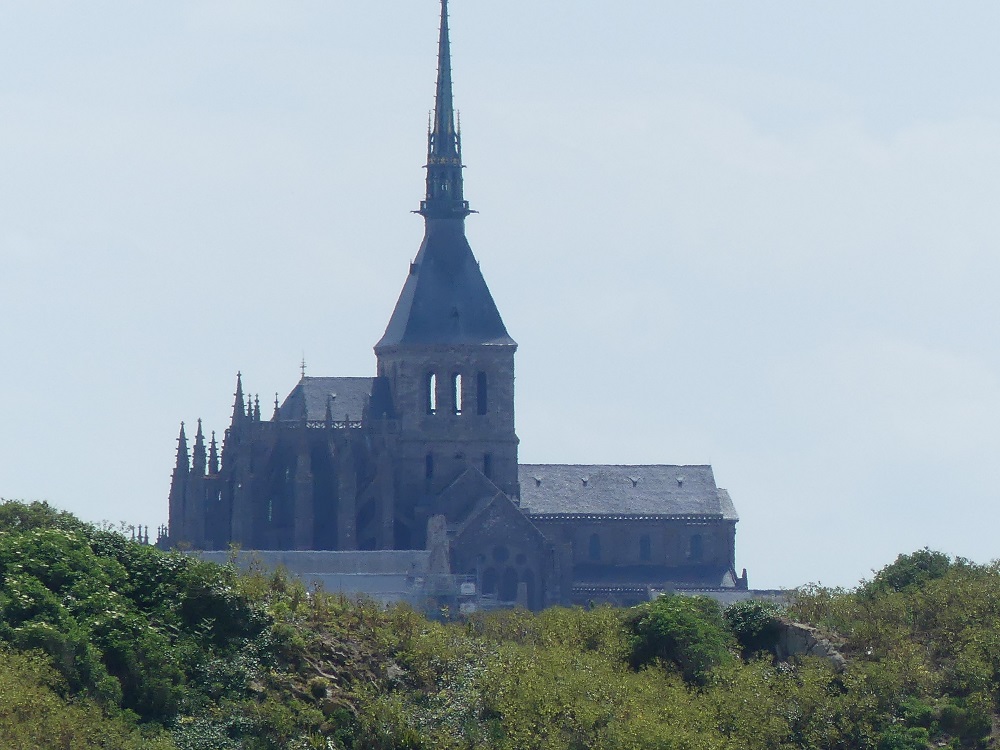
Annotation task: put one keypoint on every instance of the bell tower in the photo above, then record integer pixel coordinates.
(446, 353)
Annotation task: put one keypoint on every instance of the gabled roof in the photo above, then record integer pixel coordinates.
(308, 399)
(621, 490)
(445, 299)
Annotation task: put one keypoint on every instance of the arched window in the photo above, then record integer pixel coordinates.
(456, 393)
(429, 466)
(528, 577)
(431, 392)
(482, 397)
(697, 550)
(490, 581)
(645, 553)
(595, 547)
(508, 585)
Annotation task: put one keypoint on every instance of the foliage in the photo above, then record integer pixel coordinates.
(754, 623)
(685, 631)
(112, 644)
(908, 572)
(35, 714)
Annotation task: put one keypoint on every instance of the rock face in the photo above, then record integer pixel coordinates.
(796, 639)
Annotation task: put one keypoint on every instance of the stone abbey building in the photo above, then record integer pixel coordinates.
(424, 454)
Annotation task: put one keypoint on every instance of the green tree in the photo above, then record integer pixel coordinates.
(686, 631)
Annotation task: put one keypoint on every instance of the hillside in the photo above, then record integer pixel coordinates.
(107, 643)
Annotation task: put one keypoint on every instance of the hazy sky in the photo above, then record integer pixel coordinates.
(761, 235)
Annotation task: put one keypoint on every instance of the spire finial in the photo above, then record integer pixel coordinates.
(238, 406)
(198, 462)
(302, 366)
(444, 199)
(274, 417)
(213, 456)
(183, 457)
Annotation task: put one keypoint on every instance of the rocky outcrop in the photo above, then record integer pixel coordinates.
(796, 639)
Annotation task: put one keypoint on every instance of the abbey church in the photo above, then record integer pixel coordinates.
(424, 455)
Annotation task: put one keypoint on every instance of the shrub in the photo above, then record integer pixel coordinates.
(686, 631)
(908, 572)
(754, 624)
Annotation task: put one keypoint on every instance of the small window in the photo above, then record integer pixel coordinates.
(429, 466)
(595, 547)
(482, 397)
(645, 553)
(488, 465)
(431, 388)
(456, 393)
(697, 548)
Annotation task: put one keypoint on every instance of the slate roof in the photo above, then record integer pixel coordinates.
(445, 299)
(614, 490)
(309, 397)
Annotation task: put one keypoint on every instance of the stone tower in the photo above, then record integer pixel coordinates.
(446, 353)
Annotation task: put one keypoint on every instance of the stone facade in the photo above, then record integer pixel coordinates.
(429, 442)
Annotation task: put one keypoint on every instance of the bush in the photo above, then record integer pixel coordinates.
(755, 625)
(908, 572)
(686, 631)
(903, 738)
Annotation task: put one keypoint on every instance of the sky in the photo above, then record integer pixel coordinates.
(758, 235)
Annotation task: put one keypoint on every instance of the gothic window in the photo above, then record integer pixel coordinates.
(490, 581)
(456, 393)
(431, 392)
(697, 551)
(644, 549)
(481, 394)
(508, 585)
(528, 577)
(595, 547)
(429, 466)
(488, 465)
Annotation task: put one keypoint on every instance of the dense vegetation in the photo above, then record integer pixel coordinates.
(105, 643)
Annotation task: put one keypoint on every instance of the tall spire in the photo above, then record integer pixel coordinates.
(444, 299)
(444, 199)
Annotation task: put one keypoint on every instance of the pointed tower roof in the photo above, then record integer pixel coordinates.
(183, 457)
(198, 463)
(213, 456)
(445, 299)
(239, 408)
